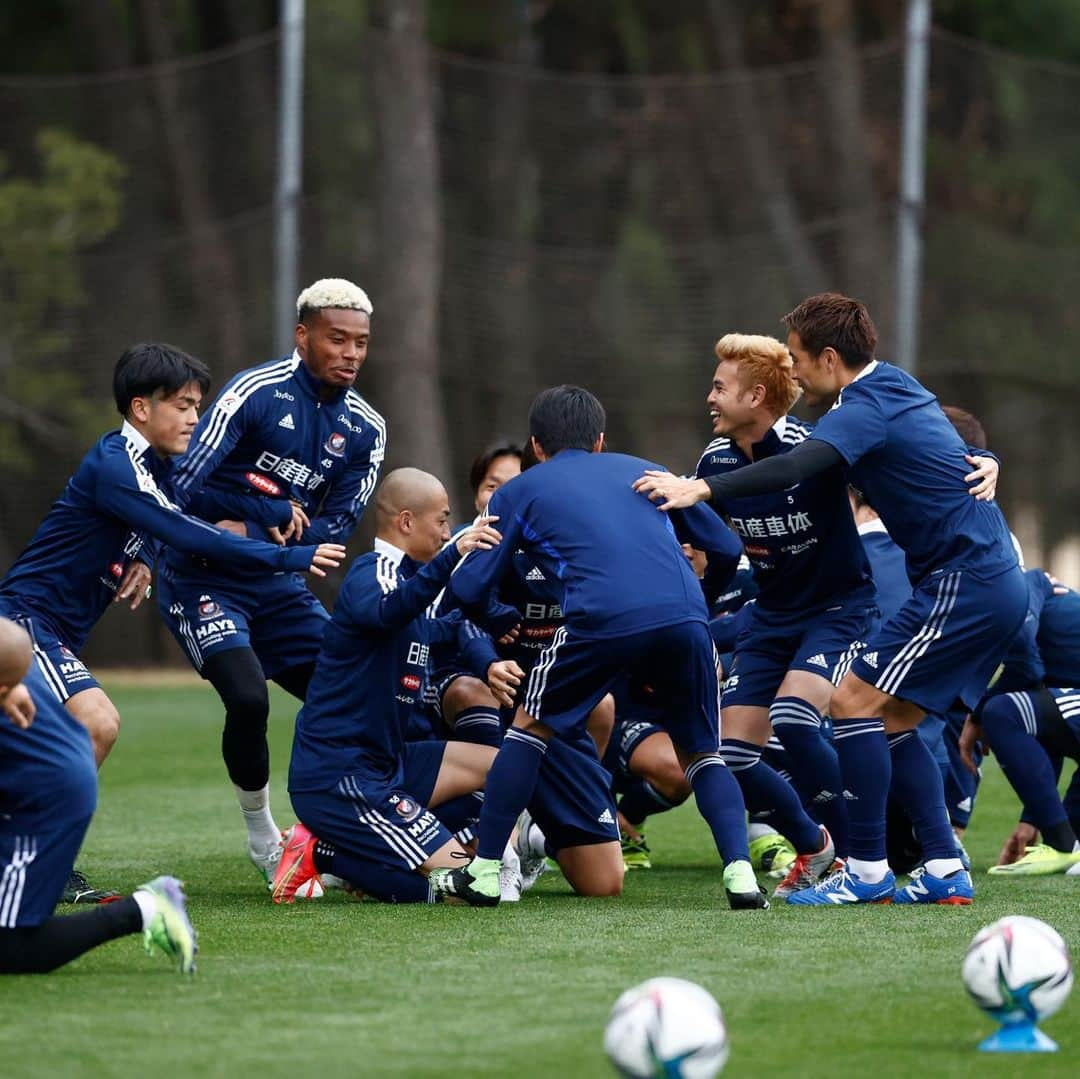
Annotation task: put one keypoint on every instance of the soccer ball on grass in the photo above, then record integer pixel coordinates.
(667, 1027)
(1018, 970)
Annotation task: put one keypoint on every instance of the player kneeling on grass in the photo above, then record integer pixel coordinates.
(383, 809)
(48, 792)
(579, 520)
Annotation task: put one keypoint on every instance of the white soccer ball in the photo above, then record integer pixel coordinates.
(667, 1027)
(1018, 969)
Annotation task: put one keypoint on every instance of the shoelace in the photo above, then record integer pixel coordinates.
(832, 880)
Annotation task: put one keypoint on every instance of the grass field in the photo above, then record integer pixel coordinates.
(340, 988)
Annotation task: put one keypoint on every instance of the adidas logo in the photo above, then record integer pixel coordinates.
(535, 575)
(965, 805)
(286, 421)
(818, 661)
(870, 659)
(606, 817)
(848, 796)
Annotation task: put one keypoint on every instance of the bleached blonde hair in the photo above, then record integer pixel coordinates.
(762, 361)
(333, 292)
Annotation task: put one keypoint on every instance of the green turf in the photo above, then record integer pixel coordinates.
(340, 988)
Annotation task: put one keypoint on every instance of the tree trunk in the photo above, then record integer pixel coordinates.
(767, 174)
(213, 268)
(863, 253)
(406, 323)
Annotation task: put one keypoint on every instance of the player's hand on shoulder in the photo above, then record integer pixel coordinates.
(503, 678)
(982, 483)
(19, 706)
(326, 556)
(135, 584)
(671, 491)
(480, 536)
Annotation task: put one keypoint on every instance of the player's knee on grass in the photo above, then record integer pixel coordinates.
(601, 723)
(466, 692)
(93, 709)
(595, 870)
(655, 762)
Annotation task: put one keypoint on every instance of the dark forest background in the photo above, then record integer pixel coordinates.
(535, 192)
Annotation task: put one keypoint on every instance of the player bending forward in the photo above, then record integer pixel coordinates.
(580, 522)
(968, 595)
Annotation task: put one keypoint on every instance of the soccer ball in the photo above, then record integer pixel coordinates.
(667, 1027)
(1018, 969)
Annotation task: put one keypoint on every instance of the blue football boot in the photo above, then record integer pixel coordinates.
(955, 890)
(843, 888)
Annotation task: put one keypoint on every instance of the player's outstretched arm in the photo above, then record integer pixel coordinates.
(129, 492)
(763, 477)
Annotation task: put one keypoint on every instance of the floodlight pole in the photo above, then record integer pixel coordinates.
(912, 183)
(287, 194)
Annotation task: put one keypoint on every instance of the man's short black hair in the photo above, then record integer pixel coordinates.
(484, 460)
(566, 418)
(144, 370)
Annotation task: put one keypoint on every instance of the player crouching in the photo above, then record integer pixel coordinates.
(384, 810)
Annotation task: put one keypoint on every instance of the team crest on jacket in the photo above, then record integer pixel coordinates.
(208, 608)
(335, 444)
(407, 809)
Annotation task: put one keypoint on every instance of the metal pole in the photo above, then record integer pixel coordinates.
(287, 195)
(912, 183)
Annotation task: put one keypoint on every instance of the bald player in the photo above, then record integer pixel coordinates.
(48, 791)
(375, 810)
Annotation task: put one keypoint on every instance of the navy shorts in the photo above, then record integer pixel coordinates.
(276, 616)
(572, 802)
(34, 867)
(945, 643)
(771, 643)
(381, 821)
(677, 661)
(62, 669)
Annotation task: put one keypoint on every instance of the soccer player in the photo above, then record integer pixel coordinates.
(289, 448)
(968, 597)
(1031, 734)
(905, 818)
(579, 521)
(495, 465)
(815, 604)
(99, 540)
(48, 791)
(373, 799)
(1033, 729)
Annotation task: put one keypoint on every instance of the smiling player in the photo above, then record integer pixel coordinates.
(289, 451)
